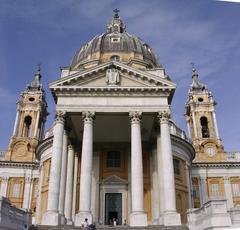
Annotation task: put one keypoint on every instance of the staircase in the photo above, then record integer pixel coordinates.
(66, 227)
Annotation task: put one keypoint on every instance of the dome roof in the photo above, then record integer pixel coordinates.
(115, 44)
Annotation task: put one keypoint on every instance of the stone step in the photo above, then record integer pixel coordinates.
(155, 227)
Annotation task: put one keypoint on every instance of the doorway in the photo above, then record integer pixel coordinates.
(113, 208)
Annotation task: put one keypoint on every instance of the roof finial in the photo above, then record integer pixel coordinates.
(196, 84)
(35, 84)
(116, 25)
(38, 71)
(116, 11)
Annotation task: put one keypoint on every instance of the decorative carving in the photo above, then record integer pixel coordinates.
(164, 116)
(60, 116)
(202, 180)
(112, 77)
(88, 116)
(135, 116)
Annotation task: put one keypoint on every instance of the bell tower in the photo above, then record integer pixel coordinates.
(201, 122)
(29, 124)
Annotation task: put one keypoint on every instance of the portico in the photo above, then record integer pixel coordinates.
(117, 113)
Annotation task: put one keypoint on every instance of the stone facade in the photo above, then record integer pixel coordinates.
(114, 151)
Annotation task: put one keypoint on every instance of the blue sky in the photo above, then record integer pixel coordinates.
(205, 32)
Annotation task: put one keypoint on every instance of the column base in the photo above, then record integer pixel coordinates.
(170, 219)
(51, 218)
(138, 219)
(81, 216)
(69, 222)
(62, 219)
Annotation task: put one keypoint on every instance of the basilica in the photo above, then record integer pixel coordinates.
(114, 153)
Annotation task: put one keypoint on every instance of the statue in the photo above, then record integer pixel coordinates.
(112, 77)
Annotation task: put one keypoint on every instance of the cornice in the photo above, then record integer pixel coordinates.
(25, 165)
(216, 165)
(112, 91)
(43, 145)
(180, 142)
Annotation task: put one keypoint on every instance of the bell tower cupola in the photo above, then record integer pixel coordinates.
(201, 121)
(29, 123)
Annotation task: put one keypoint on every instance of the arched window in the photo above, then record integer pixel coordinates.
(27, 126)
(204, 124)
(115, 58)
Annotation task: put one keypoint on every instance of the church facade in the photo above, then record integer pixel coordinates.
(114, 152)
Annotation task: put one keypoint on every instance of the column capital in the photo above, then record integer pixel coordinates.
(88, 116)
(28, 179)
(226, 179)
(164, 116)
(70, 147)
(60, 116)
(135, 116)
(5, 178)
(202, 179)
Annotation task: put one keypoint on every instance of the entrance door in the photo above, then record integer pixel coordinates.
(113, 208)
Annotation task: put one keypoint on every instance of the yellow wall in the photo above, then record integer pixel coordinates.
(16, 181)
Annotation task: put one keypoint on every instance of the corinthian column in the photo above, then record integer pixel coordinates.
(86, 171)
(69, 185)
(62, 191)
(169, 216)
(52, 216)
(137, 216)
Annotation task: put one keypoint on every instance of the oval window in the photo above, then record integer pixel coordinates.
(200, 99)
(31, 99)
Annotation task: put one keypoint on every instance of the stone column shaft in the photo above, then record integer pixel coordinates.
(36, 124)
(27, 196)
(52, 216)
(4, 185)
(155, 195)
(16, 124)
(203, 190)
(194, 125)
(39, 196)
(228, 192)
(69, 185)
(138, 217)
(86, 171)
(62, 191)
(74, 186)
(160, 177)
(189, 186)
(215, 123)
(170, 215)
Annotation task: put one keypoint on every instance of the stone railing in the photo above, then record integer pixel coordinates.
(2, 154)
(12, 217)
(174, 130)
(214, 215)
(233, 156)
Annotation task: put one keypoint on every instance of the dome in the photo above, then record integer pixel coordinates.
(116, 44)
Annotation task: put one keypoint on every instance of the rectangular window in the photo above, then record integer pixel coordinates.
(215, 190)
(16, 190)
(176, 165)
(113, 159)
(235, 190)
(195, 191)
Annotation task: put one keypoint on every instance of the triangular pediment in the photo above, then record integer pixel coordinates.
(111, 74)
(114, 180)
